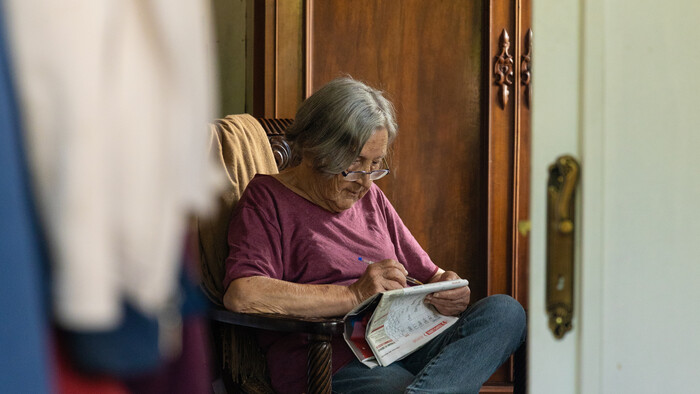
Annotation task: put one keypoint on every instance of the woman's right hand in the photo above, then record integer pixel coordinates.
(378, 277)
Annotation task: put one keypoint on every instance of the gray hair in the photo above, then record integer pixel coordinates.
(333, 125)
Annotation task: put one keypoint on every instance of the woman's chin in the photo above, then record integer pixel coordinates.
(347, 201)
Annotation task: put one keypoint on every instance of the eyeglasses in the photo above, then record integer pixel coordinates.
(353, 176)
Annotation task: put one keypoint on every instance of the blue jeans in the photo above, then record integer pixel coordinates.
(460, 360)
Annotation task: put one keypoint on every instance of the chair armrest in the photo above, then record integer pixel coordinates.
(320, 330)
(281, 323)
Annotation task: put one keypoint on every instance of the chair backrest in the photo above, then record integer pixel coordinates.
(243, 146)
(275, 128)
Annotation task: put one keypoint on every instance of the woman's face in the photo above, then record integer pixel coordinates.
(341, 194)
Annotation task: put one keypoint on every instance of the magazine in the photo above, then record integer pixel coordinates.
(391, 325)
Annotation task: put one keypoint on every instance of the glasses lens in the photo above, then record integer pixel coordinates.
(374, 175)
(357, 175)
(353, 176)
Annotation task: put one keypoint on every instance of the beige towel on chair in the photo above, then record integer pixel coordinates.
(242, 149)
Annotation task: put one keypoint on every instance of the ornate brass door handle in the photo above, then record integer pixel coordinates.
(561, 201)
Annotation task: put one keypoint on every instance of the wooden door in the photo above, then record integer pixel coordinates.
(438, 182)
(460, 165)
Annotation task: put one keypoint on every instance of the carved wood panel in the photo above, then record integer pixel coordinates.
(503, 69)
(509, 146)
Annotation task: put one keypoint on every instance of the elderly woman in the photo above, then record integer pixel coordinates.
(295, 238)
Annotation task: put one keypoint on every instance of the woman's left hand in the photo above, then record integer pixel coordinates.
(449, 302)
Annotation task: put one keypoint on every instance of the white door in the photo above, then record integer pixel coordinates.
(616, 84)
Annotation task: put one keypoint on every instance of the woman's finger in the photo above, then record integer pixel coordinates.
(448, 306)
(454, 294)
(392, 264)
(396, 274)
(393, 285)
(449, 295)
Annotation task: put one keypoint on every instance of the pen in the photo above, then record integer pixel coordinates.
(408, 278)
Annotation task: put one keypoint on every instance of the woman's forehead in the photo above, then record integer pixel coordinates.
(376, 145)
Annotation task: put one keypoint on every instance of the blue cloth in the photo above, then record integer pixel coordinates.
(24, 328)
(131, 349)
(127, 350)
(460, 360)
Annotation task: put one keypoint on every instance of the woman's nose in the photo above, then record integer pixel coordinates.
(365, 181)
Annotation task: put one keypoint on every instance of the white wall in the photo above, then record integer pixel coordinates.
(652, 182)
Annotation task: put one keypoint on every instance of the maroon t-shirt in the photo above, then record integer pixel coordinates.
(278, 234)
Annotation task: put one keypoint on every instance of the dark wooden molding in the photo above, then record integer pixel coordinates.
(525, 63)
(308, 47)
(502, 130)
(503, 68)
(521, 154)
(508, 130)
(278, 57)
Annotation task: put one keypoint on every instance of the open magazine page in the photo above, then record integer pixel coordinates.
(400, 322)
(356, 323)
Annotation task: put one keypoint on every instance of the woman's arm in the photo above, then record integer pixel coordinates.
(260, 294)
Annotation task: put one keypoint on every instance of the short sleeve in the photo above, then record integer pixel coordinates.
(255, 247)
